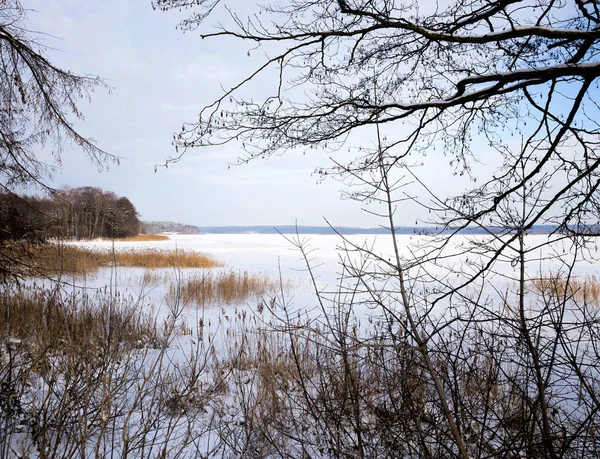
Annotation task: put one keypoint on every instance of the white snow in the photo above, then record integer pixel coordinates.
(276, 256)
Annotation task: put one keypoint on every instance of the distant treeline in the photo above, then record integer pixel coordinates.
(168, 227)
(348, 230)
(72, 213)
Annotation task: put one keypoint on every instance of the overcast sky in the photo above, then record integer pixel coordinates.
(161, 77)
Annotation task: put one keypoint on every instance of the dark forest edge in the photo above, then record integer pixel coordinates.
(70, 213)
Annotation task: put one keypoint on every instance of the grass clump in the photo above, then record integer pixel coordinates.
(48, 259)
(223, 287)
(83, 323)
(586, 289)
(157, 258)
(51, 258)
(144, 238)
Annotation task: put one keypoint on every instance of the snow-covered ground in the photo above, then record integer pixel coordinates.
(221, 329)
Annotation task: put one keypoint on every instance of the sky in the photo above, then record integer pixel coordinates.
(159, 78)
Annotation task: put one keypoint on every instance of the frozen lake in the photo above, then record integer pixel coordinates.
(274, 253)
(263, 251)
(275, 256)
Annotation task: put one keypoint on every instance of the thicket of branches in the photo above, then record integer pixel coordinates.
(39, 103)
(452, 347)
(471, 360)
(82, 373)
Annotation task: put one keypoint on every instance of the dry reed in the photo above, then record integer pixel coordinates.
(144, 238)
(223, 287)
(59, 258)
(42, 319)
(585, 289)
(55, 258)
(157, 258)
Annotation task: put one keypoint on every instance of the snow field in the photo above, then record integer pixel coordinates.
(221, 368)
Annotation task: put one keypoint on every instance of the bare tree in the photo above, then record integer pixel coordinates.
(39, 102)
(487, 355)
(458, 76)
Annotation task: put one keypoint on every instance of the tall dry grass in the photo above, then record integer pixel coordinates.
(144, 238)
(586, 289)
(91, 377)
(223, 287)
(60, 258)
(49, 259)
(157, 258)
(49, 324)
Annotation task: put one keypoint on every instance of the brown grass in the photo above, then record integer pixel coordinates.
(57, 258)
(144, 237)
(585, 289)
(223, 287)
(46, 323)
(152, 277)
(156, 258)
(54, 258)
